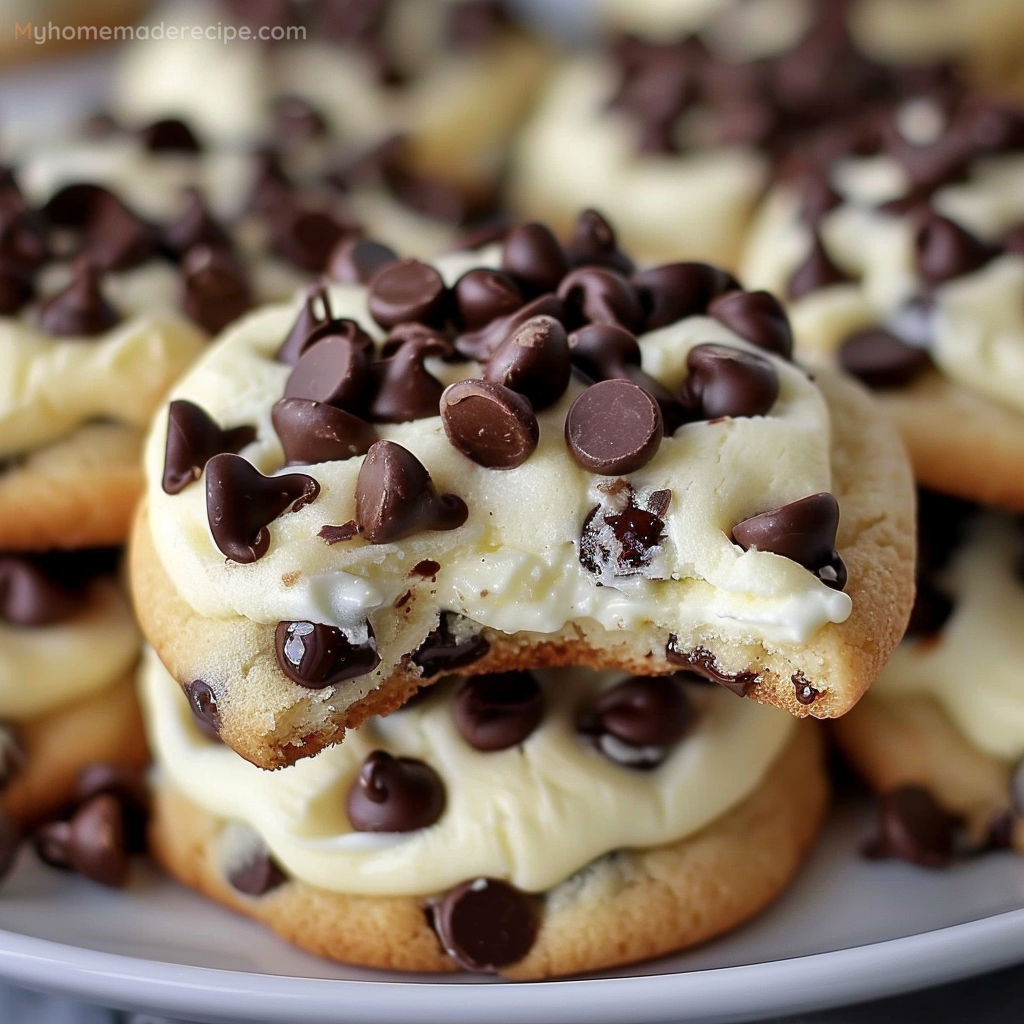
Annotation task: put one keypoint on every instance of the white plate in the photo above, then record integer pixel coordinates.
(848, 930)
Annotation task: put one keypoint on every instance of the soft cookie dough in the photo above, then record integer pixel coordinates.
(738, 798)
(531, 577)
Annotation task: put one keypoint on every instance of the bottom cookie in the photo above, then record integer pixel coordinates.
(624, 907)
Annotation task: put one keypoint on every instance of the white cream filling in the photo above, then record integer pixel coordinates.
(43, 668)
(533, 814)
(974, 666)
(514, 564)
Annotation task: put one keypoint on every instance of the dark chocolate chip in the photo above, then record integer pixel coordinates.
(817, 271)
(498, 711)
(675, 291)
(194, 226)
(193, 438)
(333, 370)
(305, 237)
(594, 244)
(913, 827)
(315, 655)
(203, 702)
(81, 310)
(169, 135)
(705, 664)
(604, 351)
(337, 534)
(116, 238)
(427, 568)
(311, 432)
(257, 874)
(128, 786)
(881, 360)
(636, 722)
(485, 924)
(482, 344)
(482, 295)
(271, 187)
(30, 597)
(408, 290)
(395, 497)
(534, 361)
(805, 693)
(725, 381)
(622, 539)
(216, 289)
(932, 609)
(12, 759)
(804, 531)
(296, 119)
(93, 842)
(51, 843)
(442, 651)
(434, 197)
(534, 257)
(16, 291)
(601, 296)
(490, 424)
(315, 320)
(945, 250)
(356, 260)
(241, 503)
(403, 389)
(23, 247)
(757, 317)
(395, 794)
(614, 427)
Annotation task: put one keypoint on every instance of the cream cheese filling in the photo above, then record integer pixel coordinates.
(974, 667)
(533, 814)
(46, 667)
(514, 564)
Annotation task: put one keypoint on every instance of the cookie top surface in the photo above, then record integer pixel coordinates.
(907, 258)
(474, 785)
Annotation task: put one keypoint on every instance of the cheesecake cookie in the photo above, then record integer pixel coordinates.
(531, 826)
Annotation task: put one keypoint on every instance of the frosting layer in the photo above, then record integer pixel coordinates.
(533, 814)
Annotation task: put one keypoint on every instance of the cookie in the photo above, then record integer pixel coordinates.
(69, 647)
(675, 137)
(514, 529)
(899, 258)
(943, 715)
(564, 899)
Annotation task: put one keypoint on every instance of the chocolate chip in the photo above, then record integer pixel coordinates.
(10, 844)
(945, 250)
(241, 503)
(334, 370)
(203, 702)
(725, 381)
(442, 651)
(621, 538)
(16, 291)
(23, 247)
(305, 237)
(194, 226)
(932, 609)
(81, 310)
(126, 785)
(296, 119)
(604, 351)
(271, 188)
(337, 534)
(31, 598)
(169, 135)
(315, 655)
(434, 197)
(427, 568)
(533, 256)
(913, 827)
(395, 794)
(116, 238)
(482, 295)
(599, 295)
(193, 438)
(636, 722)
(804, 531)
(614, 427)
(675, 291)
(533, 361)
(817, 196)
(216, 289)
(594, 244)
(311, 432)
(498, 711)
(92, 843)
(12, 761)
(881, 360)
(309, 325)
(51, 844)
(481, 344)
(485, 924)
(408, 290)
(702, 662)
(395, 497)
(490, 424)
(403, 388)
(257, 873)
(356, 260)
(817, 271)
(757, 317)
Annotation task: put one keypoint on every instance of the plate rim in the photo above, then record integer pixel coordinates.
(743, 992)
